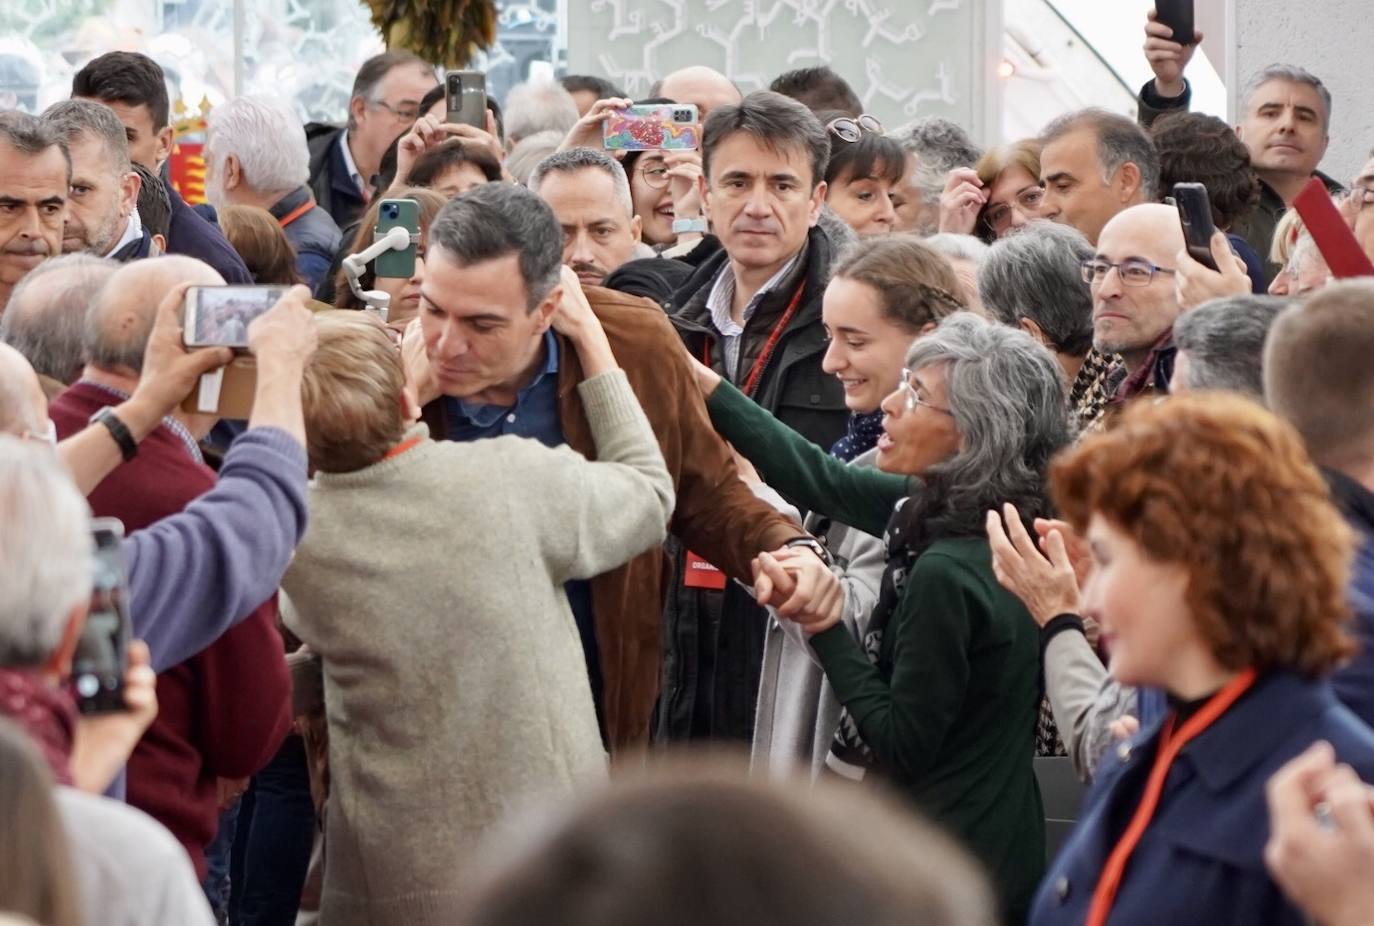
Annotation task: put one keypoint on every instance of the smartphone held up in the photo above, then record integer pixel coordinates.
(102, 652)
(653, 127)
(466, 95)
(219, 316)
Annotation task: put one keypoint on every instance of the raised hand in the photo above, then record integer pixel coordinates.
(1045, 582)
(1167, 58)
(963, 198)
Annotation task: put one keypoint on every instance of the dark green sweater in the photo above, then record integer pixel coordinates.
(949, 709)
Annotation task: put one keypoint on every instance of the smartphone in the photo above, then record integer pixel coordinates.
(1177, 15)
(393, 212)
(218, 316)
(1339, 247)
(653, 127)
(102, 652)
(466, 92)
(1195, 215)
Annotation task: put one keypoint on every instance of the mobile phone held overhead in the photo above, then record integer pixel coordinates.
(653, 127)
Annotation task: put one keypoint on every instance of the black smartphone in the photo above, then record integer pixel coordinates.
(1177, 15)
(1195, 215)
(102, 653)
(466, 92)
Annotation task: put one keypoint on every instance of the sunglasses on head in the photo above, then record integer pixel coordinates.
(851, 130)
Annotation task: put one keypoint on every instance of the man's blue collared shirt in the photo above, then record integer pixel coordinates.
(534, 414)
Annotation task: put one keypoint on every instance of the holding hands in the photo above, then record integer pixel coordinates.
(795, 582)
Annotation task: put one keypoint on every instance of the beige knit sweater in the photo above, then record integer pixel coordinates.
(455, 685)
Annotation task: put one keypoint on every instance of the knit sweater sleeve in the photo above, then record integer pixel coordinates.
(905, 719)
(195, 574)
(858, 496)
(603, 513)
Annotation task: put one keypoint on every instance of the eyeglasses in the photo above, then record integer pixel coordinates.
(407, 113)
(655, 176)
(913, 398)
(1133, 271)
(851, 130)
(998, 217)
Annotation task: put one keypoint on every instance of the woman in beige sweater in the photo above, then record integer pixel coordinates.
(430, 582)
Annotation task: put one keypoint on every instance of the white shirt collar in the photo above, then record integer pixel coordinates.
(353, 174)
(133, 231)
(722, 296)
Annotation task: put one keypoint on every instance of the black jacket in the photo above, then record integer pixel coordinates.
(792, 386)
(713, 640)
(334, 190)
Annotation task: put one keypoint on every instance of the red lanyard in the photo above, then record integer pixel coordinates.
(1169, 748)
(751, 381)
(402, 447)
(296, 213)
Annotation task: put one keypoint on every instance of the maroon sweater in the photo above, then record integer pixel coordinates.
(222, 713)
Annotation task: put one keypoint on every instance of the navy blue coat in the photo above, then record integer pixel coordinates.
(313, 235)
(1200, 860)
(1355, 682)
(190, 234)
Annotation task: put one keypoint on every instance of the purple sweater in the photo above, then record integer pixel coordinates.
(195, 574)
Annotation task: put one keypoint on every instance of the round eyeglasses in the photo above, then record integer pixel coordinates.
(851, 130)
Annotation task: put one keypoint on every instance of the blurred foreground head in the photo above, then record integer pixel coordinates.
(700, 842)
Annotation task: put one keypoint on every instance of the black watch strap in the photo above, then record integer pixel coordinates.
(128, 447)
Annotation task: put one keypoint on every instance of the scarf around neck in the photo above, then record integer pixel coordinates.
(861, 436)
(43, 711)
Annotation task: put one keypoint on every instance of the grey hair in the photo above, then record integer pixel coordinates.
(496, 220)
(45, 552)
(538, 106)
(1289, 73)
(32, 135)
(776, 122)
(1037, 274)
(1119, 141)
(46, 317)
(959, 247)
(575, 159)
(1224, 341)
(526, 154)
(939, 147)
(1007, 395)
(73, 118)
(374, 71)
(267, 139)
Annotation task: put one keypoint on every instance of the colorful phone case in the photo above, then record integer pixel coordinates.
(651, 128)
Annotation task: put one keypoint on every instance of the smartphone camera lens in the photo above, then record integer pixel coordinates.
(682, 115)
(391, 210)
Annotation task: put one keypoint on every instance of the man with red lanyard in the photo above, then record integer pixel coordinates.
(256, 155)
(752, 311)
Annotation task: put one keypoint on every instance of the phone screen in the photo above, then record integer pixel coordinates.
(222, 313)
(102, 652)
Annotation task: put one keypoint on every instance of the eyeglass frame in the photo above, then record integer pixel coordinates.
(1365, 194)
(913, 398)
(399, 114)
(861, 123)
(1086, 272)
(644, 172)
(1016, 203)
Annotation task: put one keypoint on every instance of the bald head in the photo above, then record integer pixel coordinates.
(23, 406)
(1131, 312)
(120, 321)
(46, 317)
(703, 86)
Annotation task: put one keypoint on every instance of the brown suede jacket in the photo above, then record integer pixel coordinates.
(717, 516)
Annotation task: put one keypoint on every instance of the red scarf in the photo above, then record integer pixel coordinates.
(45, 712)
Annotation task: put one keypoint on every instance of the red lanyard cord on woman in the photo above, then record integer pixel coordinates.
(751, 382)
(1169, 748)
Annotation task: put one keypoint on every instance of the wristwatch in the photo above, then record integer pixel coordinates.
(686, 226)
(814, 545)
(128, 447)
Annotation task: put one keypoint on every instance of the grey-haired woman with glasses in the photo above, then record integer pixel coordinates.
(941, 697)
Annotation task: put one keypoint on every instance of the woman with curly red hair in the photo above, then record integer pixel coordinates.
(1219, 571)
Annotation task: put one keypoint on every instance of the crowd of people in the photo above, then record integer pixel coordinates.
(907, 469)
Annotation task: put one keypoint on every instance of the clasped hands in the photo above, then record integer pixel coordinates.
(799, 587)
